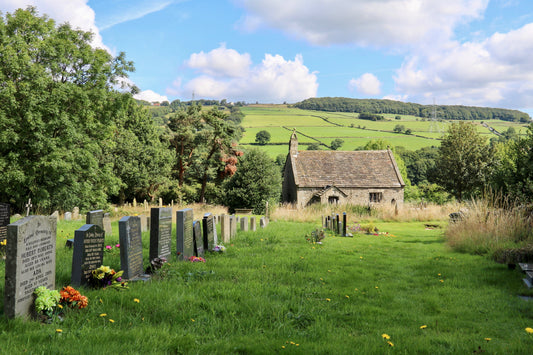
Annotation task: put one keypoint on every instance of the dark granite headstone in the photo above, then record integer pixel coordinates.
(88, 253)
(198, 239)
(95, 217)
(4, 220)
(131, 247)
(160, 232)
(184, 234)
(344, 232)
(30, 262)
(209, 230)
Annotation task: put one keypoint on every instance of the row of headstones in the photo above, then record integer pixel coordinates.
(31, 249)
(335, 224)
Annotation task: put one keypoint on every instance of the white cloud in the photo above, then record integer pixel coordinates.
(128, 10)
(363, 22)
(274, 80)
(221, 62)
(150, 96)
(75, 12)
(497, 71)
(367, 84)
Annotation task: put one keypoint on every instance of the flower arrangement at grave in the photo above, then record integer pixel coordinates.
(47, 303)
(316, 236)
(104, 277)
(219, 249)
(196, 259)
(72, 298)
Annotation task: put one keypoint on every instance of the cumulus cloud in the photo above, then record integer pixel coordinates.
(367, 84)
(497, 71)
(150, 96)
(75, 12)
(274, 80)
(362, 22)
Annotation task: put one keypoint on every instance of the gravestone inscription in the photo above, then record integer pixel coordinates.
(88, 253)
(185, 234)
(131, 247)
(30, 262)
(160, 232)
(198, 239)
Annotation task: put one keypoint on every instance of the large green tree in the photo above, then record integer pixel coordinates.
(464, 161)
(256, 181)
(60, 114)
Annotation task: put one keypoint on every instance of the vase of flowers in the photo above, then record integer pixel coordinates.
(104, 277)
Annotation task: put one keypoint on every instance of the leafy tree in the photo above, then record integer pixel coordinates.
(262, 137)
(280, 161)
(256, 181)
(462, 167)
(399, 128)
(313, 146)
(408, 131)
(58, 114)
(336, 143)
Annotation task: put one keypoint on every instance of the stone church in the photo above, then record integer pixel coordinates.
(364, 177)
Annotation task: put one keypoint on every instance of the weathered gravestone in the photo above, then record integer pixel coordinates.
(253, 224)
(209, 231)
(244, 224)
(68, 216)
(131, 248)
(232, 226)
(55, 215)
(30, 262)
(185, 234)
(160, 233)
(88, 253)
(106, 221)
(75, 213)
(95, 217)
(198, 239)
(262, 222)
(4, 220)
(225, 228)
(144, 223)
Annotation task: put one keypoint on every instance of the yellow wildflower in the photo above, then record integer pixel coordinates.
(103, 314)
(423, 326)
(283, 346)
(136, 300)
(529, 330)
(59, 330)
(192, 320)
(327, 299)
(385, 336)
(292, 343)
(390, 343)
(347, 296)
(441, 280)
(112, 321)
(60, 306)
(488, 339)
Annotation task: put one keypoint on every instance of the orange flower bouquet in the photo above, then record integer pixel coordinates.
(72, 298)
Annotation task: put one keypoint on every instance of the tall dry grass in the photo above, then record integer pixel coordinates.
(406, 212)
(491, 224)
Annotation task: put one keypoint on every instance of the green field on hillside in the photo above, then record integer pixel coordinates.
(323, 127)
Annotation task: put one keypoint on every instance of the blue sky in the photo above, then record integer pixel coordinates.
(466, 52)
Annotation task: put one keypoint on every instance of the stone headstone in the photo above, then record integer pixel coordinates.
(253, 224)
(134, 202)
(262, 222)
(68, 216)
(55, 215)
(160, 202)
(95, 217)
(160, 233)
(145, 204)
(4, 220)
(225, 228)
(198, 239)
(244, 224)
(185, 234)
(30, 262)
(144, 223)
(107, 224)
(209, 231)
(232, 226)
(75, 213)
(131, 248)
(88, 253)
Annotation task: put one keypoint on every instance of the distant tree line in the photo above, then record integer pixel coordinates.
(380, 106)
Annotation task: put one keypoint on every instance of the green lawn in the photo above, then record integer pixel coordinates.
(275, 292)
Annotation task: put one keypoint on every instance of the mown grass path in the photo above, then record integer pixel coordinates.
(275, 292)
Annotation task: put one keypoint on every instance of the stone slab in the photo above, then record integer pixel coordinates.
(88, 253)
(160, 232)
(184, 233)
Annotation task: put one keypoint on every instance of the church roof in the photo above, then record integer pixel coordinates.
(363, 168)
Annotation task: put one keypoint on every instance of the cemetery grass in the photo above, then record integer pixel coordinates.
(275, 292)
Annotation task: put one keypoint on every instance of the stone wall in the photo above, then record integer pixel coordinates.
(355, 196)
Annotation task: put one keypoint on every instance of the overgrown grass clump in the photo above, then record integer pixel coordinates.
(273, 291)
